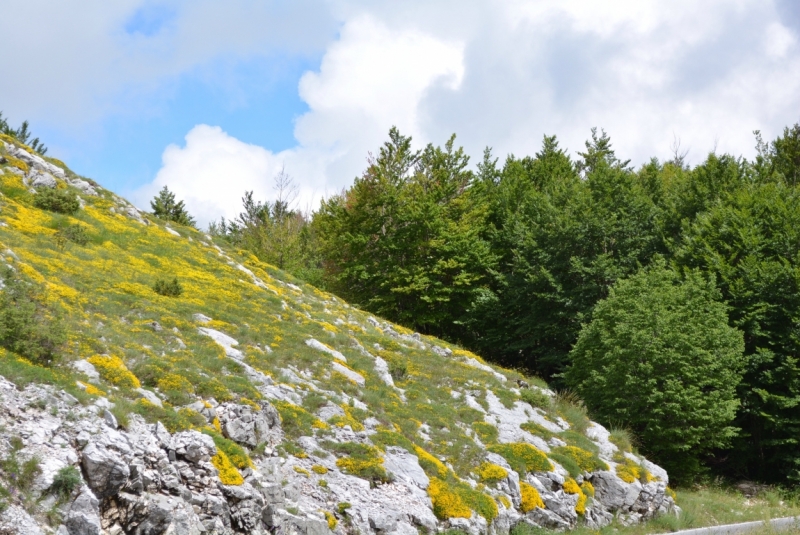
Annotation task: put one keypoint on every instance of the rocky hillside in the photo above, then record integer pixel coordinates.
(238, 400)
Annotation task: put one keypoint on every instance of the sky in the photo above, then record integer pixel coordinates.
(215, 98)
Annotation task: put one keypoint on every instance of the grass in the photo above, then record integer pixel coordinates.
(703, 507)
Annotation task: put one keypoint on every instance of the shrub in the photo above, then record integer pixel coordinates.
(398, 369)
(27, 326)
(432, 466)
(361, 460)
(584, 460)
(523, 457)
(65, 481)
(530, 497)
(234, 452)
(167, 288)
(61, 201)
(73, 233)
(446, 503)
(113, 370)
(536, 398)
(228, 474)
(571, 487)
(668, 340)
(491, 473)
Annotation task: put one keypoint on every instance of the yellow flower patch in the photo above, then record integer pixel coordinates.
(571, 487)
(446, 503)
(113, 370)
(228, 473)
(491, 473)
(530, 498)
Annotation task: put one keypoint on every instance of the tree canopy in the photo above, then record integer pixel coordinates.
(165, 207)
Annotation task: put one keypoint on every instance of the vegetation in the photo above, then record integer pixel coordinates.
(165, 207)
(66, 480)
(57, 200)
(28, 326)
(512, 259)
(168, 288)
(22, 134)
(667, 339)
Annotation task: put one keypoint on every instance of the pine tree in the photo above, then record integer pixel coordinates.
(165, 207)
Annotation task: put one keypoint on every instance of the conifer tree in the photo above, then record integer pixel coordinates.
(165, 207)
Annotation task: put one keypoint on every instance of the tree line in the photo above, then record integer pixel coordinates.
(554, 264)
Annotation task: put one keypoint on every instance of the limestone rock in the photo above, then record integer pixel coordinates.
(105, 471)
(250, 427)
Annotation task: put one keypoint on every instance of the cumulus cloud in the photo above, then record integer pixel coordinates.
(371, 79)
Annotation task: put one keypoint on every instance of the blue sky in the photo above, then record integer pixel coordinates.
(215, 98)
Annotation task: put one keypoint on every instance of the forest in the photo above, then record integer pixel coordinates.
(666, 297)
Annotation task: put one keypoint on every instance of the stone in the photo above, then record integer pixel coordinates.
(319, 346)
(245, 425)
(83, 516)
(40, 179)
(110, 419)
(222, 339)
(405, 467)
(16, 521)
(87, 368)
(151, 397)
(106, 472)
(347, 372)
(194, 446)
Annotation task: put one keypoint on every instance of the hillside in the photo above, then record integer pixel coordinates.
(252, 402)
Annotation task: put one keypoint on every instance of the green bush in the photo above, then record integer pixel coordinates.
(73, 233)
(65, 481)
(27, 327)
(57, 200)
(660, 358)
(167, 288)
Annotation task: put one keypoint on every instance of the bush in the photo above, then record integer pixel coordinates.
(73, 233)
(65, 481)
(27, 327)
(523, 457)
(659, 357)
(167, 288)
(57, 200)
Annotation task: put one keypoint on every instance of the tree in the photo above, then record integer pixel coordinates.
(660, 358)
(165, 207)
(751, 244)
(405, 240)
(22, 134)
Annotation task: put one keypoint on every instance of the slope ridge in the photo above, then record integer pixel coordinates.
(255, 402)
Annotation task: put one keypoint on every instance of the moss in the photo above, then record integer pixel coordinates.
(523, 457)
(530, 498)
(491, 473)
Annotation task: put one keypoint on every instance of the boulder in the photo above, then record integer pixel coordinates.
(248, 426)
(193, 446)
(105, 471)
(83, 517)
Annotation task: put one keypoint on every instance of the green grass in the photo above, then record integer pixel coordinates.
(709, 506)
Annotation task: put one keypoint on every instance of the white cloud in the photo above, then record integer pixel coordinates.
(371, 79)
(496, 73)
